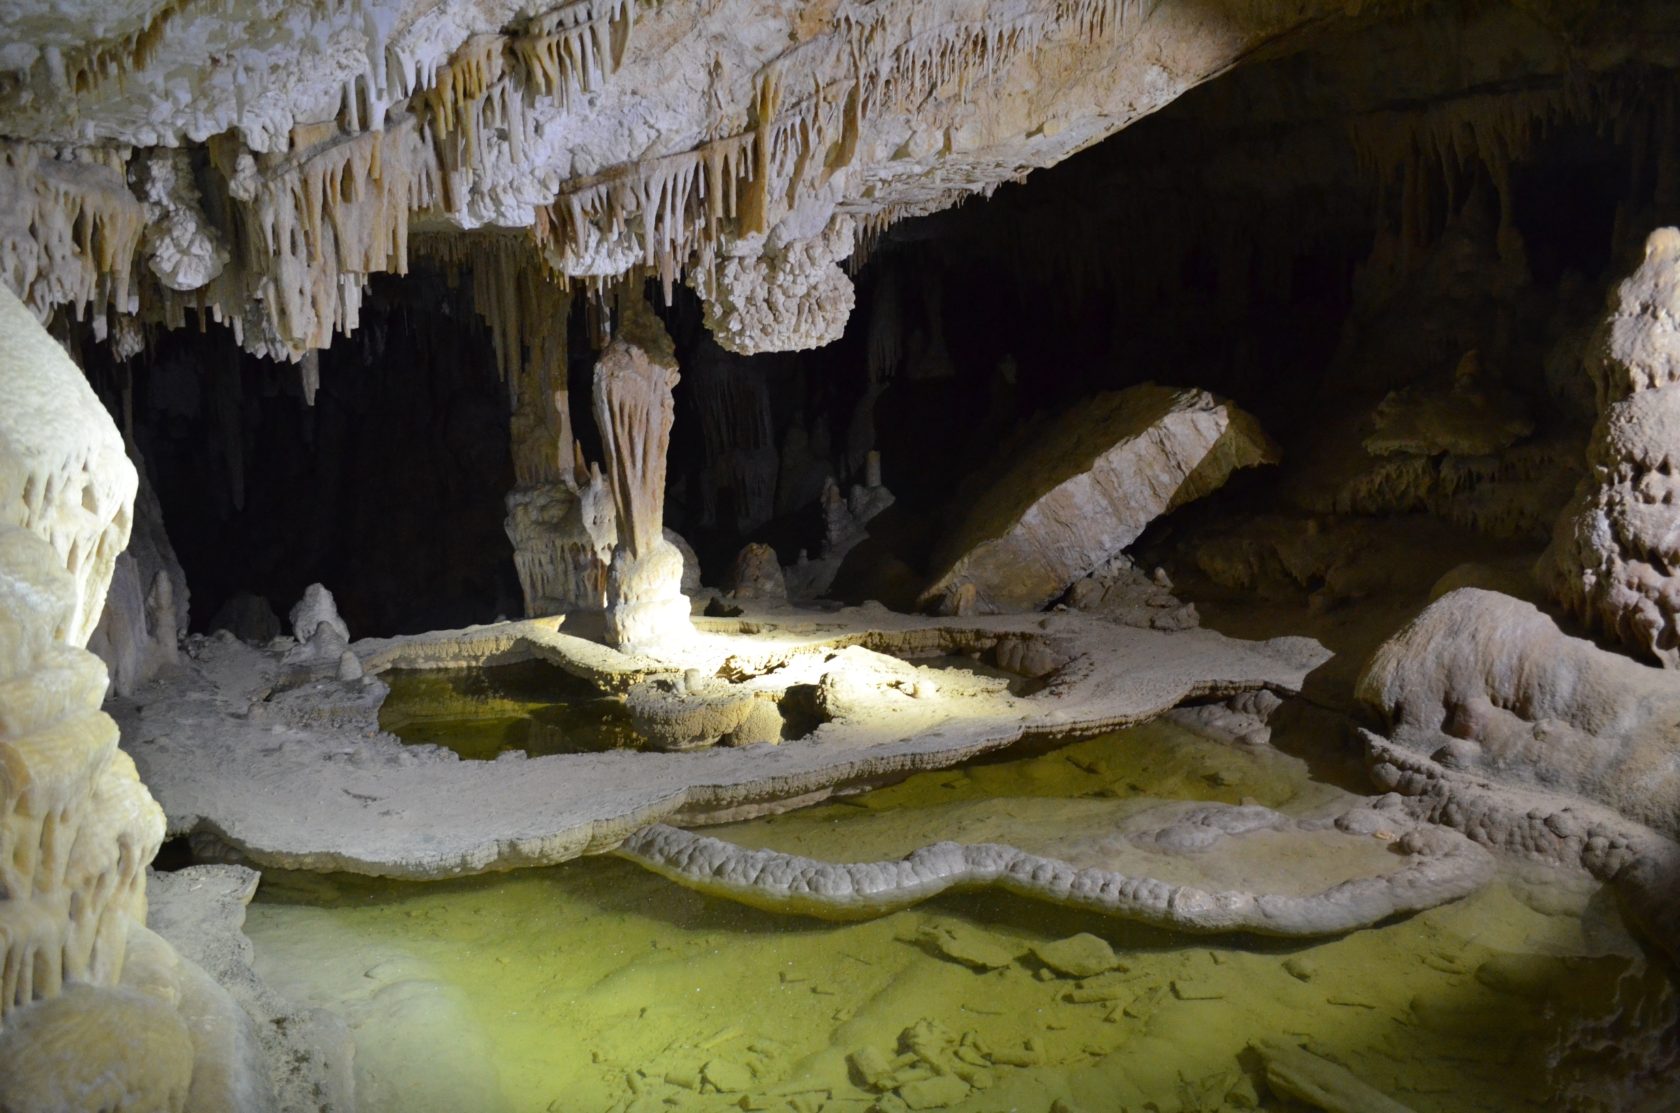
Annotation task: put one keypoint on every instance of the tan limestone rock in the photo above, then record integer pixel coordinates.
(1085, 489)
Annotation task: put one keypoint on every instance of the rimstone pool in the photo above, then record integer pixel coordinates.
(598, 985)
(531, 707)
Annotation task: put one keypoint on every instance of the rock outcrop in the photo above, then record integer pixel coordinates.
(1085, 489)
(1488, 685)
(1614, 560)
(1532, 741)
(146, 606)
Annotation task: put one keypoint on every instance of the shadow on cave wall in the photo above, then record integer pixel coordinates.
(1270, 236)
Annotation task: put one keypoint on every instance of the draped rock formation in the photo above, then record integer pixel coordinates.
(181, 160)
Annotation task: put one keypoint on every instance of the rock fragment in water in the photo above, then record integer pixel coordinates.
(967, 945)
(1078, 956)
(1295, 1072)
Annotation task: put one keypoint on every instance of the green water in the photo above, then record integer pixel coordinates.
(480, 713)
(597, 986)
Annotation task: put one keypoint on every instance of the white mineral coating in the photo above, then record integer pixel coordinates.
(1617, 543)
(78, 825)
(181, 247)
(786, 300)
(64, 474)
(317, 608)
(741, 134)
(1433, 867)
(1084, 489)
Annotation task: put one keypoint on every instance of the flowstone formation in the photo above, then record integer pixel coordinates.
(1085, 489)
(765, 714)
(1616, 546)
(1500, 724)
(95, 1011)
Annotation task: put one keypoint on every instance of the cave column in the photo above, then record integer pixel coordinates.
(634, 410)
(559, 515)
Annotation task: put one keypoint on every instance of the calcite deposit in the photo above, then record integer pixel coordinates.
(94, 1011)
(1092, 870)
(1614, 548)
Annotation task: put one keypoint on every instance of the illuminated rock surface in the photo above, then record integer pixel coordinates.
(305, 779)
(95, 1011)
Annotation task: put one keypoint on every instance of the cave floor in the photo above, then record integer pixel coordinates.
(595, 985)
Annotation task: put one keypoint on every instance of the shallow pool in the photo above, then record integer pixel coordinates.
(482, 712)
(597, 986)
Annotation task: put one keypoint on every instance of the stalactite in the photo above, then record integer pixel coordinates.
(74, 230)
(575, 47)
(311, 222)
(1423, 161)
(319, 223)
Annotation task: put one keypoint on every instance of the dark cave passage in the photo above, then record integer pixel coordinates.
(388, 489)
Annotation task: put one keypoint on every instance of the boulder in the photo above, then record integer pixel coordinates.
(1084, 489)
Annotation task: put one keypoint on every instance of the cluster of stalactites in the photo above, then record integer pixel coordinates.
(69, 230)
(306, 225)
(1426, 161)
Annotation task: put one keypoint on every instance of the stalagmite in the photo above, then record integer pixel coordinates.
(634, 411)
(1616, 547)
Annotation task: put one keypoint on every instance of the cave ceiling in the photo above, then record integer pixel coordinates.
(254, 161)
